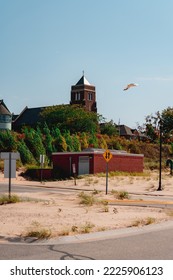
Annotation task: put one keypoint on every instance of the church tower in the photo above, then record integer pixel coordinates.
(83, 93)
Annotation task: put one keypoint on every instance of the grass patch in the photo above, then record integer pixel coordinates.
(105, 208)
(124, 174)
(74, 228)
(120, 194)
(87, 228)
(38, 231)
(86, 199)
(5, 199)
(95, 192)
(143, 222)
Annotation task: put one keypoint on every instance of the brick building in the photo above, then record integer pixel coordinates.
(83, 93)
(91, 161)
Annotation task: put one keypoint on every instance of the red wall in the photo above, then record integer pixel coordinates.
(128, 162)
(119, 162)
(64, 162)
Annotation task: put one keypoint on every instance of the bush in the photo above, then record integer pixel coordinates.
(86, 199)
(25, 154)
(4, 199)
(121, 194)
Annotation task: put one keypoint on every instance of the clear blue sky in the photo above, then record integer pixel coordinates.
(46, 44)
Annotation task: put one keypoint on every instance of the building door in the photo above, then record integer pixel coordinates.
(83, 165)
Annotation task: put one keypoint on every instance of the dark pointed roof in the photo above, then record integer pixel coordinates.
(83, 81)
(29, 116)
(3, 108)
(125, 130)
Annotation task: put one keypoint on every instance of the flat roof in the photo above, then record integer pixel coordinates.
(92, 151)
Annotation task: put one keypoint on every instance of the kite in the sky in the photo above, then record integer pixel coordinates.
(130, 85)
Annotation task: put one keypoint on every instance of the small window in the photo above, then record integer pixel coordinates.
(5, 118)
(77, 96)
(90, 96)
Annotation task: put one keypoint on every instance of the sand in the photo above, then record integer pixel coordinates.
(53, 214)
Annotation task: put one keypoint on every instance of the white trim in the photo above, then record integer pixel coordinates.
(119, 153)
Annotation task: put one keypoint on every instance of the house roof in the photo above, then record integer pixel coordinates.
(3, 108)
(29, 116)
(125, 130)
(83, 81)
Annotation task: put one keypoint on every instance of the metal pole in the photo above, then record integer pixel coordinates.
(75, 179)
(160, 159)
(106, 177)
(9, 175)
(41, 175)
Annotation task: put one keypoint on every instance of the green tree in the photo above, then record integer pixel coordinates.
(59, 143)
(109, 128)
(47, 140)
(25, 155)
(76, 143)
(93, 141)
(167, 119)
(84, 141)
(101, 142)
(69, 141)
(70, 117)
(152, 126)
(33, 140)
(7, 141)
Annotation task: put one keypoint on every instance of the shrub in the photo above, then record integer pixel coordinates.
(87, 228)
(25, 154)
(39, 233)
(86, 199)
(5, 199)
(143, 222)
(120, 194)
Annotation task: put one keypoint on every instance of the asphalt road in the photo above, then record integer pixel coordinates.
(154, 242)
(4, 188)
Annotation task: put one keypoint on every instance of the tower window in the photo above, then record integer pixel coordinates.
(90, 96)
(77, 96)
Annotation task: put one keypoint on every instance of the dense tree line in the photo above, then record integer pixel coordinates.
(71, 128)
(31, 143)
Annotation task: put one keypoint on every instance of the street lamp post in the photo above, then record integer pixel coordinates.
(160, 155)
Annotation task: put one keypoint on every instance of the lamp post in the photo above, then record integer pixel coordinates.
(160, 155)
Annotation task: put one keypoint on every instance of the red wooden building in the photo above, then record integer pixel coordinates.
(91, 161)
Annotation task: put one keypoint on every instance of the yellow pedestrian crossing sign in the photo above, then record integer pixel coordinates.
(107, 155)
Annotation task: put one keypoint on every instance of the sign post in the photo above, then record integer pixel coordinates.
(9, 166)
(74, 172)
(107, 156)
(9, 175)
(42, 161)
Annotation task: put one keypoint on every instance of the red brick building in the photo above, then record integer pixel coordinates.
(83, 93)
(91, 161)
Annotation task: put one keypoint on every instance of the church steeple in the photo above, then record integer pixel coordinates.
(83, 93)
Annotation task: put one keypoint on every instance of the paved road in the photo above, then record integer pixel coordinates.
(34, 189)
(154, 242)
